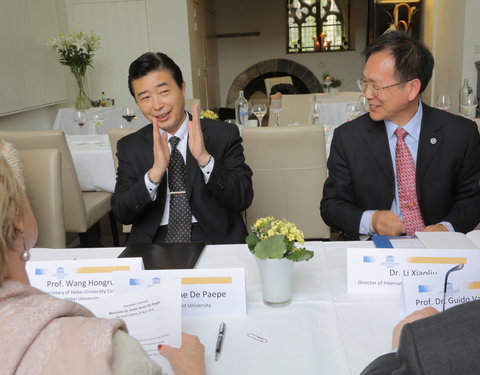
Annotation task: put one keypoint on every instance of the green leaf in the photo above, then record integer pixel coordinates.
(299, 256)
(252, 241)
(271, 248)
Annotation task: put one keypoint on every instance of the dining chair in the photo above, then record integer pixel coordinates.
(190, 102)
(81, 209)
(270, 82)
(289, 170)
(43, 180)
(114, 135)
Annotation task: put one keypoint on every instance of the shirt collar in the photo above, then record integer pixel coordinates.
(412, 127)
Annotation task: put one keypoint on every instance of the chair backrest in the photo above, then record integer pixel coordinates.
(296, 109)
(114, 135)
(75, 215)
(270, 82)
(43, 180)
(477, 120)
(190, 102)
(289, 170)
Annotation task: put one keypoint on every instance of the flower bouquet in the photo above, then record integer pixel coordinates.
(76, 51)
(277, 239)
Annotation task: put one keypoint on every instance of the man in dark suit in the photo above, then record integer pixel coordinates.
(217, 183)
(432, 343)
(383, 182)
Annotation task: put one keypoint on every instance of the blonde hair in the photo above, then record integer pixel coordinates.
(12, 199)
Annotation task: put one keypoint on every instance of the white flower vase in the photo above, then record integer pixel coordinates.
(277, 281)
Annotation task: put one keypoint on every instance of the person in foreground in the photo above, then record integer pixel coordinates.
(430, 343)
(179, 179)
(405, 166)
(44, 335)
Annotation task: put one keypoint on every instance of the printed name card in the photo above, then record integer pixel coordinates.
(461, 287)
(383, 270)
(82, 280)
(205, 292)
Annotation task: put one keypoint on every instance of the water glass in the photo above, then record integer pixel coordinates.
(97, 120)
(443, 102)
(353, 110)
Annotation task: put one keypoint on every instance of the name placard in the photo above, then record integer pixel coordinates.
(82, 280)
(462, 287)
(383, 270)
(205, 292)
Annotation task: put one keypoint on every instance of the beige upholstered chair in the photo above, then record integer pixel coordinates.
(82, 209)
(270, 82)
(296, 109)
(43, 180)
(189, 103)
(114, 135)
(289, 170)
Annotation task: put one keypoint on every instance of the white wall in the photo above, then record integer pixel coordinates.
(269, 18)
(471, 40)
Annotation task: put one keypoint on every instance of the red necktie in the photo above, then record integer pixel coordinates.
(407, 193)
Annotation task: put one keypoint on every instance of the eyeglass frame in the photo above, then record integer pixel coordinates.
(377, 89)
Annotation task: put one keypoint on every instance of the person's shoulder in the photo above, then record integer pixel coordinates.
(449, 121)
(218, 127)
(134, 137)
(356, 127)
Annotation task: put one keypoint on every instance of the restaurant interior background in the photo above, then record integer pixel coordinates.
(205, 38)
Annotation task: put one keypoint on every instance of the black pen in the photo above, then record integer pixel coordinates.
(221, 334)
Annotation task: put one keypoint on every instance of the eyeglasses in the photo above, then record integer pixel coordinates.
(374, 90)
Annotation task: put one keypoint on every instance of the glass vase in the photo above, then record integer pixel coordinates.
(82, 101)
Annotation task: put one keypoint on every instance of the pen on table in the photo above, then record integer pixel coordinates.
(221, 334)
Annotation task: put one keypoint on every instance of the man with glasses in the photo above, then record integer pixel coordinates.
(405, 166)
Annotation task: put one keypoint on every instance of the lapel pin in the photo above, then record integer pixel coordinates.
(433, 140)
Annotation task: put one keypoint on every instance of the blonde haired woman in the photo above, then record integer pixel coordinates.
(41, 334)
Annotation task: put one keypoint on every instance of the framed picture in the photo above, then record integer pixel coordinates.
(386, 15)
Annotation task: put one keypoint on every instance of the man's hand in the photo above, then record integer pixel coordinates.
(385, 222)
(161, 154)
(195, 138)
(436, 228)
(189, 359)
(417, 315)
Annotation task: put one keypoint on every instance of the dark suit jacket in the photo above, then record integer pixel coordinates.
(446, 344)
(361, 174)
(216, 205)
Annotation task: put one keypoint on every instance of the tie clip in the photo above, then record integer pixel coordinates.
(178, 192)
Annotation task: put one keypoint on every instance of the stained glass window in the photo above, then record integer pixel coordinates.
(318, 25)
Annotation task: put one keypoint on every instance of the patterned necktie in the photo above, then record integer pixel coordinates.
(407, 193)
(180, 219)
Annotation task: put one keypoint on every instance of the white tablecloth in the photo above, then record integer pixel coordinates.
(113, 119)
(323, 331)
(93, 160)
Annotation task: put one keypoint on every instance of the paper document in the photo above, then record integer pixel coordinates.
(450, 240)
(152, 315)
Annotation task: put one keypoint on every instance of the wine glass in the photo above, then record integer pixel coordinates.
(128, 113)
(353, 110)
(469, 106)
(276, 107)
(259, 110)
(443, 102)
(363, 102)
(80, 118)
(98, 119)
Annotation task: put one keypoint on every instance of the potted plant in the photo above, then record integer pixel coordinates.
(277, 245)
(331, 83)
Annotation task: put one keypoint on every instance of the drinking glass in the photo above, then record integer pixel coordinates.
(443, 102)
(128, 113)
(259, 110)
(469, 106)
(353, 110)
(80, 118)
(363, 102)
(98, 119)
(276, 107)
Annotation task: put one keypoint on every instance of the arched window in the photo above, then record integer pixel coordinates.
(318, 25)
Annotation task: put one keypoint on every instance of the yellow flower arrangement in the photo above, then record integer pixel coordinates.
(208, 114)
(276, 239)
